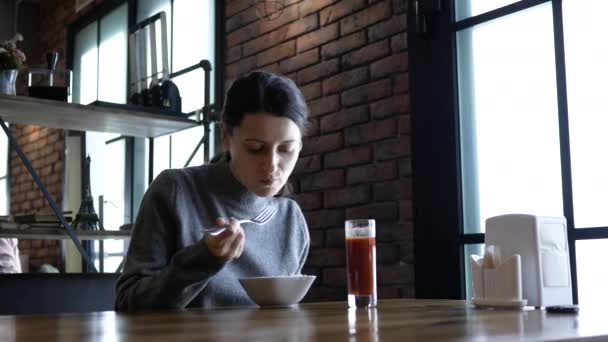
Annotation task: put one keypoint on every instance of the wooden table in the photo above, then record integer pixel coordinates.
(393, 320)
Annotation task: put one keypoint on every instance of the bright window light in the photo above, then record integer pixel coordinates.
(586, 74)
(509, 117)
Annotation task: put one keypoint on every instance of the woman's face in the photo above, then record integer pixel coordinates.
(264, 150)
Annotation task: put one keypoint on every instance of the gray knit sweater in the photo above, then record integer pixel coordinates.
(168, 266)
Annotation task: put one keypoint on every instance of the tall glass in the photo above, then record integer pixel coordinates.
(361, 262)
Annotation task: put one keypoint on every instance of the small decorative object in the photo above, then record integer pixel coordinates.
(87, 218)
(11, 60)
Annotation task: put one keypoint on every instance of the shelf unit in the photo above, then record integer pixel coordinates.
(55, 114)
(62, 115)
(60, 234)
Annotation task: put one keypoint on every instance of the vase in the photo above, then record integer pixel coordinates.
(7, 81)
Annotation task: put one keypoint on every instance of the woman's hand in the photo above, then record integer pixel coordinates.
(229, 244)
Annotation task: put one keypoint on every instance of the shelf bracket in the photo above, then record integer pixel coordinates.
(47, 196)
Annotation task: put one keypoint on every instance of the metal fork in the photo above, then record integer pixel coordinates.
(262, 218)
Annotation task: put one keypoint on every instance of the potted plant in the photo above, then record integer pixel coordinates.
(11, 60)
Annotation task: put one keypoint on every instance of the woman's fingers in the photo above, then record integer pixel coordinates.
(229, 244)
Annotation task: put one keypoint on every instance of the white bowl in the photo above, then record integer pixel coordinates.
(279, 291)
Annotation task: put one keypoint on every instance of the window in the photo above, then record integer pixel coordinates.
(100, 64)
(181, 14)
(519, 130)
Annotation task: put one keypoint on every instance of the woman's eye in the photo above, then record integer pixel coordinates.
(255, 149)
(286, 149)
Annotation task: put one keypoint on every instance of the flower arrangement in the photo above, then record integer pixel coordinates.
(10, 56)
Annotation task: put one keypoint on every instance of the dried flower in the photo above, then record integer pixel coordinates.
(10, 56)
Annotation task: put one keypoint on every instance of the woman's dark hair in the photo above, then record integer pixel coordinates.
(263, 91)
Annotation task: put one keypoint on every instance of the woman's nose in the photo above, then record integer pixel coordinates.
(271, 162)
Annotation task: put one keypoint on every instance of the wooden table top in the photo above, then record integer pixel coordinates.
(393, 320)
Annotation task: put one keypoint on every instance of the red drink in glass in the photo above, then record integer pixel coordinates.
(361, 262)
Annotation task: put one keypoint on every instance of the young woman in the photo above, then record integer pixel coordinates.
(171, 263)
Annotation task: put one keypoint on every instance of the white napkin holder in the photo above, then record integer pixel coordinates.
(545, 261)
(499, 286)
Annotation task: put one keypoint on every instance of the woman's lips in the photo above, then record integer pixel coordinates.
(269, 181)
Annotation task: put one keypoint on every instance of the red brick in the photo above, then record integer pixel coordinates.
(399, 42)
(241, 35)
(241, 67)
(318, 71)
(324, 218)
(344, 118)
(288, 15)
(241, 19)
(362, 19)
(324, 105)
(372, 173)
(401, 84)
(366, 54)
(334, 237)
(399, 6)
(387, 253)
(235, 6)
(284, 33)
(367, 93)
(393, 231)
(299, 61)
(318, 37)
(341, 9)
(393, 148)
(312, 127)
(335, 277)
(406, 252)
(321, 144)
(346, 157)
(406, 210)
(343, 45)
(394, 190)
(395, 274)
(277, 53)
(307, 7)
(310, 200)
(375, 130)
(345, 80)
(382, 211)
(308, 165)
(394, 24)
(347, 196)
(316, 240)
(405, 167)
(327, 179)
(395, 105)
(389, 65)
(311, 91)
(326, 257)
(405, 125)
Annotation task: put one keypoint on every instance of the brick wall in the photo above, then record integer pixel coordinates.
(350, 59)
(43, 146)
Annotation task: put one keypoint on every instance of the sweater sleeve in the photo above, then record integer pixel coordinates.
(305, 237)
(155, 275)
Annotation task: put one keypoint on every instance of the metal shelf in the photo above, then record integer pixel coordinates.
(56, 114)
(60, 233)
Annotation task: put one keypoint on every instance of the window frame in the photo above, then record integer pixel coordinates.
(439, 237)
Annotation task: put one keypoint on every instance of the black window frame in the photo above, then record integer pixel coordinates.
(439, 237)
